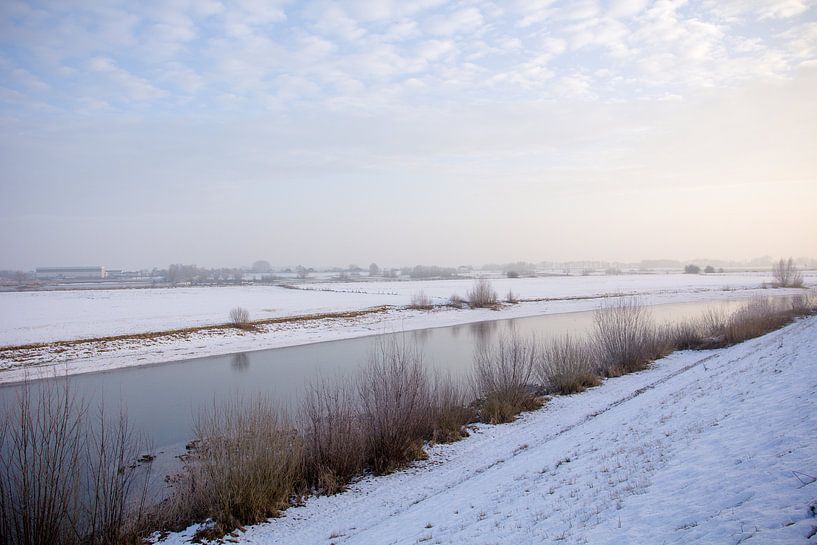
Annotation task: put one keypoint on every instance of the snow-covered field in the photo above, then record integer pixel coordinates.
(33, 317)
(46, 317)
(704, 447)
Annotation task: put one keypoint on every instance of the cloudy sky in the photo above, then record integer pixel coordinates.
(136, 134)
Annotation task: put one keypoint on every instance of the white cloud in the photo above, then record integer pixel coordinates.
(379, 10)
(365, 50)
(802, 41)
(28, 80)
(626, 8)
(135, 87)
(462, 21)
(432, 50)
(333, 21)
(762, 9)
(183, 77)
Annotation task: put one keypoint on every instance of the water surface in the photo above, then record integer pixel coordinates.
(161, 400)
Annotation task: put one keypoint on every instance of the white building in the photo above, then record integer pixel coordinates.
(71, 273)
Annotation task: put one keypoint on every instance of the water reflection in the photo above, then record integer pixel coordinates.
(240, 362)
(421, 336)
(483, 332)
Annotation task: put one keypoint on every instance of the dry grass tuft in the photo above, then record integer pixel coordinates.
(625, 338)
(421, 301)
(335, 444)
(395, 405)
(247, 465)
(456, 301)
(566, 366)
(761, 315)
(482, 294)
(451, 410)
(502, 378)
(240, 318)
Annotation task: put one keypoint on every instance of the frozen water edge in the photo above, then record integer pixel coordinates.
(703, 447)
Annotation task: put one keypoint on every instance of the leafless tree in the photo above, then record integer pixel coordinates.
(240, 318)
(786, 274)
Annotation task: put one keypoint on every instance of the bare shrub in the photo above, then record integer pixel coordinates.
(625, 338)
(67, 477)
(712, 322)
(760, 315)
(335, 445)
(786, 274)
(502, 378)
(246, 465)
(450, 410)
(456, 301)
(421, 301)
(482, 294)
(804, 304)
(395, 405)
(566, 366)
(511, 298)
(240, 318)
(685, 335)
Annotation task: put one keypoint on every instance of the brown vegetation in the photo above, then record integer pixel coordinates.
(421, 301)
(482, 294)
(566, 366)
(786, 274)
(625, 339)
(68, 476)
(240, 318)
(503, 378)
(395, 405)
(335, 444)
(250, 459)
(246, 464)
(456, 301)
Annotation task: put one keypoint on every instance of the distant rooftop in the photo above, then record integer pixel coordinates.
(70, 269)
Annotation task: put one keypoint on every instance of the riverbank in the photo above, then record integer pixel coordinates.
(57, 345)
(702, 447)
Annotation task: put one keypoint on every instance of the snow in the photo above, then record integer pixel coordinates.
(43, 317)
(703, 447)
(34, 317)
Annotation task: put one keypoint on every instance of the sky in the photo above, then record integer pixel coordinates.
(138, 134)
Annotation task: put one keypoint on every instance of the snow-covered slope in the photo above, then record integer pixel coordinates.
(704, 447)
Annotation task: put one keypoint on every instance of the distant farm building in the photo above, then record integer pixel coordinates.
(70, 273)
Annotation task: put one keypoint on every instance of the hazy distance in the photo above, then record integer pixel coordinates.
(405, 132)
